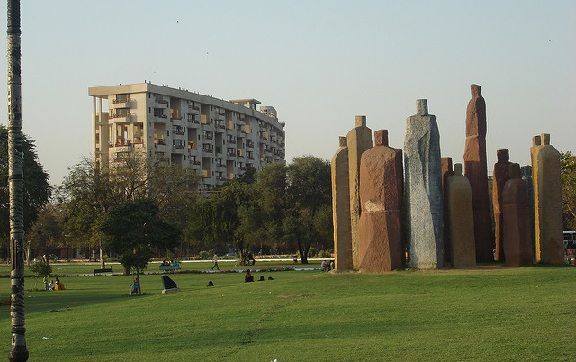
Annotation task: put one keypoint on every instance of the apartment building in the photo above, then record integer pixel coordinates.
(219, 139)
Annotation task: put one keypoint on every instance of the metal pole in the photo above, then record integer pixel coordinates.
(19, 350)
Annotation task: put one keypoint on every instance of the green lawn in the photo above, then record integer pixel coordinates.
(482, 314)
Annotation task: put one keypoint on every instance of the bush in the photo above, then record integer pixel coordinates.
(206, 254)
(324, 254)
(41, 268)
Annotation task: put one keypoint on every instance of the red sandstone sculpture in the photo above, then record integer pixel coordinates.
(499, 178)
(475, 168)
(517, 233)
(381, 185)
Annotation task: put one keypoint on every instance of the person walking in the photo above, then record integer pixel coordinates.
(215, 263)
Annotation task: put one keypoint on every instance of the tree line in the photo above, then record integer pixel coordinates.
(135, 210)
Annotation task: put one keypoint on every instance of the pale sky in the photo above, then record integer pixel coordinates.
(318, 62)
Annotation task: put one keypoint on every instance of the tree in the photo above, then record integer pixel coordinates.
(86, 195)
(18, 351)
(568, 170)
(46, 232)
(308, 199)
(271, 191)
(36, 189)
(133, 229)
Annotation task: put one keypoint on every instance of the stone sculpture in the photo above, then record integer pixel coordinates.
(499, 178)
(527, 178)
(516, 221)
(476, 169)
(381, 184)
(359, 139)
(423, 190)
(547, 201)
(341, 208)
(460, 219)
(446, 171)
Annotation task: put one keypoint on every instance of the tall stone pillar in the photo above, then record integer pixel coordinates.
(446, 170)
(341, 207)
(460, 219)
(499, 178)
(547, 201)
(527, 178)
(516, 220)
(381, 184)
(476, 169)
(423, 190)
(359, 139)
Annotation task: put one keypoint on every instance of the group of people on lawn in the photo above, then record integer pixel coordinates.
(53, 285)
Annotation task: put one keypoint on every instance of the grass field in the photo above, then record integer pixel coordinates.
(481, 314)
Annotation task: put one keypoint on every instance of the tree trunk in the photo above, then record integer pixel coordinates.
(303, 252)
(19, 350)
(102, 263)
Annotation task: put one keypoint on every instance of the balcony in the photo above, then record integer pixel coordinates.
(204, 119)
(178, 131)
(205, 173)
(195, 163)
(192, 118)
(240, 152)
(120, 103)
(206, 147)
(249, 144)
(121, 118)
(191, 145)
(208, 136)
(231, 152)
(161, 103)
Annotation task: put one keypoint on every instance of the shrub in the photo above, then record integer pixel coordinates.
(41, 268)
(206, 254)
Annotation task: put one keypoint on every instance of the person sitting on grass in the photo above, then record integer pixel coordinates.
(135, 286)
(249, 277)
(58, 285)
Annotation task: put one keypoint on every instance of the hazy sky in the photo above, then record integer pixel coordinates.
(318, 62)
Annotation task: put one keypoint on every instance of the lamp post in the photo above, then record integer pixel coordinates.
(19, 350)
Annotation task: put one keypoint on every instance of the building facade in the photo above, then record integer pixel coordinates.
(218, 139)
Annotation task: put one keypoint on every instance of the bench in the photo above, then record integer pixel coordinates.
(103, 270)
(170, 268)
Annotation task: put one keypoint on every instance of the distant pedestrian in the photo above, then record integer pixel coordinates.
(215, 262)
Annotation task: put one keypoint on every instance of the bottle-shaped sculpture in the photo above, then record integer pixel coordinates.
(516, 220)
(381, 183)
(499, 178)
(547, 201)
(358, 139)
(423, 190)
(460, 219)
(341, 208)
(476, 169)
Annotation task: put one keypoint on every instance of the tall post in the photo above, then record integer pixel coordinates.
(19, 350)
